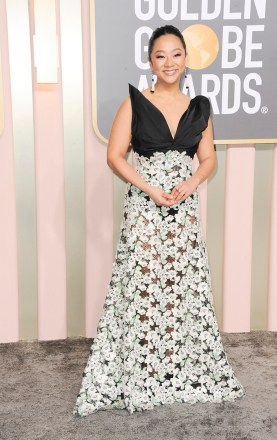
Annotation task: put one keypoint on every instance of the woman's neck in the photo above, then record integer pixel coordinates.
(168, 89)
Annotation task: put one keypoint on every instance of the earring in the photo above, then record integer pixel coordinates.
(153, 85)
(186, 81)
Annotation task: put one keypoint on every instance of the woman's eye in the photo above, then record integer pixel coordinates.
(176, 55)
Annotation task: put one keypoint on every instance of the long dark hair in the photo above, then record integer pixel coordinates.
(164, 30)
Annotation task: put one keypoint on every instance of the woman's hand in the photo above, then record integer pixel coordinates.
(184, 189)
(159, 196)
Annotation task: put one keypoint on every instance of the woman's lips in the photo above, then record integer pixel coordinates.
(170, 72)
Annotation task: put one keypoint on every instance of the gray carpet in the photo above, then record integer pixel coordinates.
(39, 382)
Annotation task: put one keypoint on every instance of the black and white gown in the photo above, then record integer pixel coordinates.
(158, 340)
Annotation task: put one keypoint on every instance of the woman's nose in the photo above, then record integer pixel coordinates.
(168, 62)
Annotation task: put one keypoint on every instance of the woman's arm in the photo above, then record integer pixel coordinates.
(119, 141)
(207, 162)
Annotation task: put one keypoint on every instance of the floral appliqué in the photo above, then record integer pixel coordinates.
(158, 340)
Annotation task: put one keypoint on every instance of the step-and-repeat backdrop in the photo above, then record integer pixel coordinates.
(230, 59)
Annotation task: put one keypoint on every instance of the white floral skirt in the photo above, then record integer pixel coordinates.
(158, 340)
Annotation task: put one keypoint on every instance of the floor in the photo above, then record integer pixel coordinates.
(39, 382)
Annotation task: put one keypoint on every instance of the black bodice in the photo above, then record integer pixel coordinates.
(150, 130)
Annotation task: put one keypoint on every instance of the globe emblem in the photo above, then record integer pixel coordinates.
(202, 46)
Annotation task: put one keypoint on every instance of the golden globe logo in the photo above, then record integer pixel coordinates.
(202, 46)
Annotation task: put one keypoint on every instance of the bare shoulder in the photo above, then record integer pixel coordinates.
(126, 104)
(121, 126)
(125, 109)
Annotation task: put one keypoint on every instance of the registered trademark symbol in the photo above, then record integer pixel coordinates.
(264, 110)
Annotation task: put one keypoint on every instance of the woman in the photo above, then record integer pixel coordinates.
(158, 340)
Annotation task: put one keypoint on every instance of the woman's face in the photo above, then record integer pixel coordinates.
(168, 58)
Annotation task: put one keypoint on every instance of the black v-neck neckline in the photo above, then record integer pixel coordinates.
(161, 113)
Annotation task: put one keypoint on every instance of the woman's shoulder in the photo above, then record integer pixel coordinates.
(203, 104)
(201, 99)
(132, 90)
(135, 92)
(125, 106)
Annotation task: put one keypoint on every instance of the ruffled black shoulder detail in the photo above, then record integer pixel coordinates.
(205, 106)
